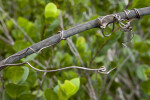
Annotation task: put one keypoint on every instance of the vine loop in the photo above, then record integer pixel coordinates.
(127, 12)
(137, 13)
(61, 35)
(103, 22)
(124, 24)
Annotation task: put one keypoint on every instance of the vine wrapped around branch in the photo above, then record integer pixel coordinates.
(67, 33)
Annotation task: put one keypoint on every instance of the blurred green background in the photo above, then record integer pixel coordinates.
(25, 22)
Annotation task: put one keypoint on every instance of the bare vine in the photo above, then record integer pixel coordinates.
(103, 23)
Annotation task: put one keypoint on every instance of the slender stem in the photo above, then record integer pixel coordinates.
(14, 22)
(6, 32)
(5, 40)
(119, 68)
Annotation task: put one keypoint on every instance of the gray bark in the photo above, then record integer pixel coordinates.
(67, 33)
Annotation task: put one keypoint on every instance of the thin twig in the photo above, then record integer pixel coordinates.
(118, 69)
(5, 40)
(6, 32)
(14, 22)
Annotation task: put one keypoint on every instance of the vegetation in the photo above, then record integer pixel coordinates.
(25, 22)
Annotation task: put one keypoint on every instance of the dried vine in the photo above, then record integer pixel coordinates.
(103, 22)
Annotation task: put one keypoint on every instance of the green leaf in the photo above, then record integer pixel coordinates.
(17, 34)
(50, 95)
(54, 24)
(136, 39)
(32, 78)
(61, 92)
(30, 57)
(22, 22)
(27, 97)
(141, 47)
(14, 74)
(69, 88)
(76, 82)
(67, 59)
(140, 72)
(146, 86)
(20, 44)
(29, 28)
(9, 24)
(25, 74)
(99, 59)
(15, 90)
(51, 10)
(140, 3)
(80, 43)
(147, 73)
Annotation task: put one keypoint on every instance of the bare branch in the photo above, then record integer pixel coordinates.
(67, 33)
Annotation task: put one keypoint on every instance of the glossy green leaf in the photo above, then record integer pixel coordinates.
(15, 90)
(50, 95)
(51, 10)
(69, 88)
(76, 82)
(14, 74)
(146, 86)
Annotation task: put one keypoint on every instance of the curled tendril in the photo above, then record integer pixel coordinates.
(101, 70)
(104, 24)
(124, 24)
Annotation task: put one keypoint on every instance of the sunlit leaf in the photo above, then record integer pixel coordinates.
(51, 10)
